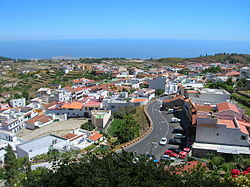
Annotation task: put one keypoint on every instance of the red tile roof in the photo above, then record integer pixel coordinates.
(73, 105)
(41, 118)
(227, 106)
(95, 136)
(204, 108)
(228, 122)
(174, 99)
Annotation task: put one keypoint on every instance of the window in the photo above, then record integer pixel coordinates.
(243, 137)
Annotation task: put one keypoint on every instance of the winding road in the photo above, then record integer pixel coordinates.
(161, 128)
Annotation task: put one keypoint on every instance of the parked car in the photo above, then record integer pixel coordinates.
(174, 141)
(186, 149)
(175, 120)
(163, 141)
(175, 149)
(182, 156)
(181, 131)
(183, 153)
(174, 155)
(170, 110)
(168, 152)
(151, 157)
(178, 136)
(172, 159)
(165, 157)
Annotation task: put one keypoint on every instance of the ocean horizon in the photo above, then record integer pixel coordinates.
(127, 48)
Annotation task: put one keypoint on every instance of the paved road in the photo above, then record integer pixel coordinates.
(161, 128)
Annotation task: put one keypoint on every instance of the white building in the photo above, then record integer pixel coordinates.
(209, 96)
(18, 102)
(42, 145)
(227, 136)
(244, 73)
(14, 119)
(147, 93)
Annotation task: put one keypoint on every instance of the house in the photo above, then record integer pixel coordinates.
(175, 101)
(60, 95)
(157, 83)
(42, 145)
(244, 73)
(74, 109)
(95, 137)
(75, 140)
(208, 96)
(100, 118)
(225, 136)
(43, 92)
(4, 106)
(228, 110)
(38, 121)
(18, 102)
(14, 119)
(147, 93)
(76, 93)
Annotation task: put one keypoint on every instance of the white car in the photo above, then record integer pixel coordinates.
(174, 120)
(163, 141)
(178, 136)
(170, 110)
(172, 158)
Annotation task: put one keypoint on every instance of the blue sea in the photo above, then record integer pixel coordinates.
(129, 48)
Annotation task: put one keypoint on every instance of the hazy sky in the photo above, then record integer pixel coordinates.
(172, 19)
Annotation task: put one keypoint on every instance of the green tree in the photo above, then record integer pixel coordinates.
(158, 92)
(87, 126)
(10, 166)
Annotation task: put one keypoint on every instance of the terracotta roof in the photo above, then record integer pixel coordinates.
(92, 104)
(233, 73)
(174, 99)
(228, 122)
(204, 108)
(73, 105)
(69, 136)
(243, 129)
(192, 91)
(227, 106)
(95, 136)
(188, 167)
(138, 100)
(50, 104)
(41, 118)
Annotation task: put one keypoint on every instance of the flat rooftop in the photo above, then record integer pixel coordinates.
(41, 142)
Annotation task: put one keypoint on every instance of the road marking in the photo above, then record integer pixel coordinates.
(148, 143)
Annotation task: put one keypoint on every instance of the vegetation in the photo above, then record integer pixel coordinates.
(55, 155)
(213, 70)
(4, 58)
(159, 92)
(183, 71)
(228, 85)
(93, 75)
(128, 169)
(124, 127)
(87, 126)
(116, 123)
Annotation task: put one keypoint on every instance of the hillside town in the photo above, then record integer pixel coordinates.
(191, 108)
